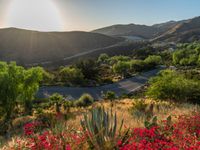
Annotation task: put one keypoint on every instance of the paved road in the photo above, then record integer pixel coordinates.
(79, 54)
(124, 86)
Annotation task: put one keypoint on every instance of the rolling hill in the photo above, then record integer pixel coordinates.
(176, 31)
(28, 47)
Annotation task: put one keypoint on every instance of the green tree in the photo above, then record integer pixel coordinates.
(18, 86)
(89, 68)
(115, 59)
(153, 60)
(122, 68)
(103, 58)
(174, 86)
(32, 77)
(137, 65)
(71, 75)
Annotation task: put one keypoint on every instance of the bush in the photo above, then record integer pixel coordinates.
(174, 86)
(122, 68)
(84, 100)
(137, 65)
(71, 75)
(110, 95)
(153, 60)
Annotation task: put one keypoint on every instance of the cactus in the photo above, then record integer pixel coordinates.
(102, 128)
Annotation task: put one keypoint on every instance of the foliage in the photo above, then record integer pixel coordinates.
(84, 100)
(110, 95)
(153, 60)
(183, 134)
(103, 58)
(187, 54)
(175, 86)
(89, 68)
(137, 65)
(115, 59)
(71, 75)
(100, 131)
(102, 128)
(56, 99)
(122, 68)
(18, 87)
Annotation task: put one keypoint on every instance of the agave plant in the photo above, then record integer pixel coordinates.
(101, 127)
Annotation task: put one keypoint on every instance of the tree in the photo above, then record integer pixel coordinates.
(89, 68)
(115, 59)
(174, 86)
(122, 68)
(137, 65)
(56, 99)
(18, 86)
(153, 60)
(71, 75)
(103, 58)
(32, 77)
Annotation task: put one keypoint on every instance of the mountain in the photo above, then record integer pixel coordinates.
(142, 31)
(27, 47)
(176, 31)
(184, 31)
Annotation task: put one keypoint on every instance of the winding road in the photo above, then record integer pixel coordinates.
(121, 87)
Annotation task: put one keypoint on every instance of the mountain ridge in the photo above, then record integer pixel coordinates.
(156, 32)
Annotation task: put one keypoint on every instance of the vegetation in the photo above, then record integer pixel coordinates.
(102, 127)
(187, 55)
(71, 75)
(18, 88)
(132, 123)
(171, 85)
(84, 100)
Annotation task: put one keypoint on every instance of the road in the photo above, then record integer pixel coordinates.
(79, 54)
(121, 87)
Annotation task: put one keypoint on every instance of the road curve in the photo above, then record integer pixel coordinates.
(121, 87)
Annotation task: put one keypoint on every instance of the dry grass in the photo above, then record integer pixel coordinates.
(123, 109)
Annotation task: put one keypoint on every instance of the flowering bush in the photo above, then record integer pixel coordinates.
(183, 134)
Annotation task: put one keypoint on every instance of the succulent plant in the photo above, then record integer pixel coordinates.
(102, 128)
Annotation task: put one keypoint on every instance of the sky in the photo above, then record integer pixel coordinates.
(86, 15)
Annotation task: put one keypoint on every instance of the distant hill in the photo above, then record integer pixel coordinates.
(183, 31)
(176, 31)
(142, 31)
(28, 47)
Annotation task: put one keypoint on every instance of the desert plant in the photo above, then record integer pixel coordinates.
(56, 99)
(101, 127)
(84, 100)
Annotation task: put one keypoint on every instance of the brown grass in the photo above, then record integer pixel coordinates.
(123, 107)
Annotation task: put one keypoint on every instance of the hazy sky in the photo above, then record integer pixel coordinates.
(58, 15)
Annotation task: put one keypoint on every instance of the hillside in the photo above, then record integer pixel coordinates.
(184, 31)
(142, 31)
(28, 47)
(176, 31)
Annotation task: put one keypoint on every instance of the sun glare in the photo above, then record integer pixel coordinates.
(42, 15)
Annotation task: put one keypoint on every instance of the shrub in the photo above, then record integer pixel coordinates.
(56, 99)
(184, 134)
(174, 86)
(137, 65)
(153, 60)
(84, 100)
(122, 68)
(110, 95)
(103, 58)
(71, 75)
